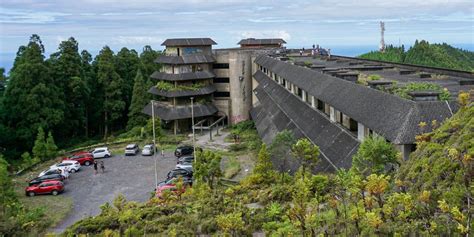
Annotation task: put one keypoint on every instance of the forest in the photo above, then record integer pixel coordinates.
(71, 95)
(425, 54)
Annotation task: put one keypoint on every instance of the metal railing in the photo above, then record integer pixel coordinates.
(200, 125)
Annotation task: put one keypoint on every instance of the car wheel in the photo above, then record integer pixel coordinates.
(106, 156)
(54, 192)
(73, 171)
(87, 163)
(31, 194)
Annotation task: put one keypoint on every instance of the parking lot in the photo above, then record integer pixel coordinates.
(132, 176)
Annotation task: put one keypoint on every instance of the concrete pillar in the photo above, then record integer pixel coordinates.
(304, 96)
(254, 83)
(326, 109)
(346, 121)
(240, 83)
(360, 132)
(313, 101)
(332, 114)
(405, 150)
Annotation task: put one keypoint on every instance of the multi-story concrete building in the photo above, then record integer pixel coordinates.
(319, 97)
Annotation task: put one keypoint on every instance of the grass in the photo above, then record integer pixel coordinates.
(56, 207)
(231, 167)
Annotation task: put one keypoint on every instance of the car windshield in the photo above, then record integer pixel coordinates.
(130, 147)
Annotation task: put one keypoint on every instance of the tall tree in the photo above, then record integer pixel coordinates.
(127, 64)
(111, 83)
(67, 70)
(139, 100)
(32, 98)
(307, 154)
(39, 149)
(148, 65)
(94, 103)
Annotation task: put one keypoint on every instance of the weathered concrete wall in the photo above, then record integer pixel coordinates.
(240, 76)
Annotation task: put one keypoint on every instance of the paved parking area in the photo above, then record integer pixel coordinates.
(132, 176)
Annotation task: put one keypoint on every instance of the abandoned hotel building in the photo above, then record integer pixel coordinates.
(313, 95)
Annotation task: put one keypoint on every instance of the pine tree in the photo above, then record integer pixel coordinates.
(263, 165)
(127, 64)
(51, 150)
(139, 99)
(94, 103)
(148, 65)
(32, 98)
(111, 83)
(39, 149)
(307, 154)
(67, 71)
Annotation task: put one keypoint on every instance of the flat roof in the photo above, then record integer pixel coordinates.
(189, 42)
(253, 41)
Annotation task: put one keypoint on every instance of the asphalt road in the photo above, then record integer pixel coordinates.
(132, 176)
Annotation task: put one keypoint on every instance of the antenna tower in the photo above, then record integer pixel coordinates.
(382, 41)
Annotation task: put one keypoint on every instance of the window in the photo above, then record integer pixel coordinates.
(220, 65)
(221, 94)
(221, 80)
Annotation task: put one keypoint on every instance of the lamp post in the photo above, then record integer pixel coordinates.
(192, 124)
(154, 140)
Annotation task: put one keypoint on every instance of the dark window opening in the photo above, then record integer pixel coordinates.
(320, 105)
(300, 93)
(220, 65)
(221, 80)
(221, 94)
(284, 83)
(353, 125)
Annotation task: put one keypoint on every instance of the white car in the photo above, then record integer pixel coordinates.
(101, 152)
(185, 165)
(148, 150)
(71, 166)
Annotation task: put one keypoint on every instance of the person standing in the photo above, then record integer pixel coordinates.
(102, 167)
(95, 167)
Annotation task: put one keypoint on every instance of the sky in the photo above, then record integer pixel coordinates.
(350, 26)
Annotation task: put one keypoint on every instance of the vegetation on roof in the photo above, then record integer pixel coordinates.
(425, 54)
(403, 90)
(167, 86)
(364, 78)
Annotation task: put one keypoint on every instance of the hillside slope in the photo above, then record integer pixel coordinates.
(425, 54)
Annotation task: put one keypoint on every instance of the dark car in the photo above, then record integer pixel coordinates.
(183, 150)
(186, 159)
(51, 177)
(179, 173)
(186, 181)
(47, 187)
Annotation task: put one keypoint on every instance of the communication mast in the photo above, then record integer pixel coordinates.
(382, 41)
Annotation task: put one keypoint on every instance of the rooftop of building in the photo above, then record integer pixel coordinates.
(400, 74)
(253, 41)
(189, 42)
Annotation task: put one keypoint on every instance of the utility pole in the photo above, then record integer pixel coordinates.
(192, 124)
(154, 140)
(382, 40)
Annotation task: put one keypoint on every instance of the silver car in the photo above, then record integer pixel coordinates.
(131, 149)
(148, 150)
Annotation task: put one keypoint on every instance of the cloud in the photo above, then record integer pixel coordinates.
(143, 40)
(20, 16)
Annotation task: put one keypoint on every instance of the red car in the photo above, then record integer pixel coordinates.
(171, 187)
(47, 187)
(83, 157)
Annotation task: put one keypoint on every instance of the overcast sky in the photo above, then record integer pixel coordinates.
(134, 23)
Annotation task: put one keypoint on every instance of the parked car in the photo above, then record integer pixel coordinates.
(131, 149)
(183, 150)
(186, 181)
(186, 159)
(84, 158)
(100, 152)
(185, 165)
(148, 150)
(70, 165)
(44, 178)
(49, 172)
(171, 187)
(179, 173)
(47, 187)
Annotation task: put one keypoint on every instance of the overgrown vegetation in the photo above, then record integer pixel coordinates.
(431, 194)
(168, 86)
(425, 54)
(245, 136)
(364, 79)
(403, 90)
